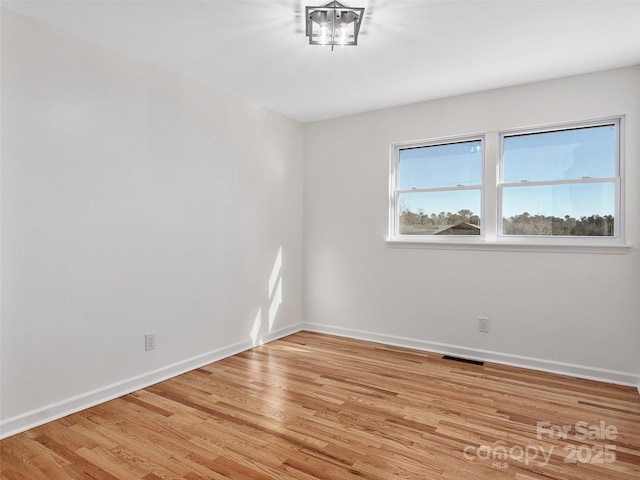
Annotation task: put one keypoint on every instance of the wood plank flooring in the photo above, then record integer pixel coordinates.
(314, 406)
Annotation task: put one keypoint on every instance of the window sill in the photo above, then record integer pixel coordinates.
(616, 249)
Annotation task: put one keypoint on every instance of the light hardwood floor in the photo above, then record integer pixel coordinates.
(314, 406)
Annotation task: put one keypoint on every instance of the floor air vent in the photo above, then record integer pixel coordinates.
(463, 360)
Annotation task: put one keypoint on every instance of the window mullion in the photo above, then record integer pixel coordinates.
(491, 180)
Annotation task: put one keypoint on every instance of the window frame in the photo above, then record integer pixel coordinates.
(395, 191)
(617, 179)
(491, 236)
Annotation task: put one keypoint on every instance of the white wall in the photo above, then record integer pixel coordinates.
(134, 201)
(570, 312)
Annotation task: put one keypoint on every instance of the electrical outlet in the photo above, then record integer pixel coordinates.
(150, 341)
(483, 324)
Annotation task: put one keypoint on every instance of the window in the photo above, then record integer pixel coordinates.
(556, 185)
(437, 188)
(560, 183)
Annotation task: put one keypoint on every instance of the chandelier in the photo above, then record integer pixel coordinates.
(333, 24)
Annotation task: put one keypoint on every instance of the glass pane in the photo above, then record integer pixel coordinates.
(562, 155)
(440, 213)
(585, 209)
(441, 166)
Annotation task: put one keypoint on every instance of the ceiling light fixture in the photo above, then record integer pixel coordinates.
(334, 24)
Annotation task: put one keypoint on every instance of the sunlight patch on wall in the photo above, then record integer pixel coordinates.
(255, 329)
(275, 289)
(274, 300)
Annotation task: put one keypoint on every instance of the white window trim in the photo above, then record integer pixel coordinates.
(513, 246)
(491, 204)
(394, 218)
(618, 236)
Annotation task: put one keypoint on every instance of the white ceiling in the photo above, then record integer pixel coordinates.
(409, 50)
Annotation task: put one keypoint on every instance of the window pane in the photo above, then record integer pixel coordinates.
(440, 213)
(584, 209)
(562, 155)
(441, 165)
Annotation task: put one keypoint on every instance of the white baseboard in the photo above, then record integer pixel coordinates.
(46, 414)
(580, 371)
(34, 418)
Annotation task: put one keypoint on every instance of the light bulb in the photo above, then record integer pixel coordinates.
(324, 33)
(343, 34)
